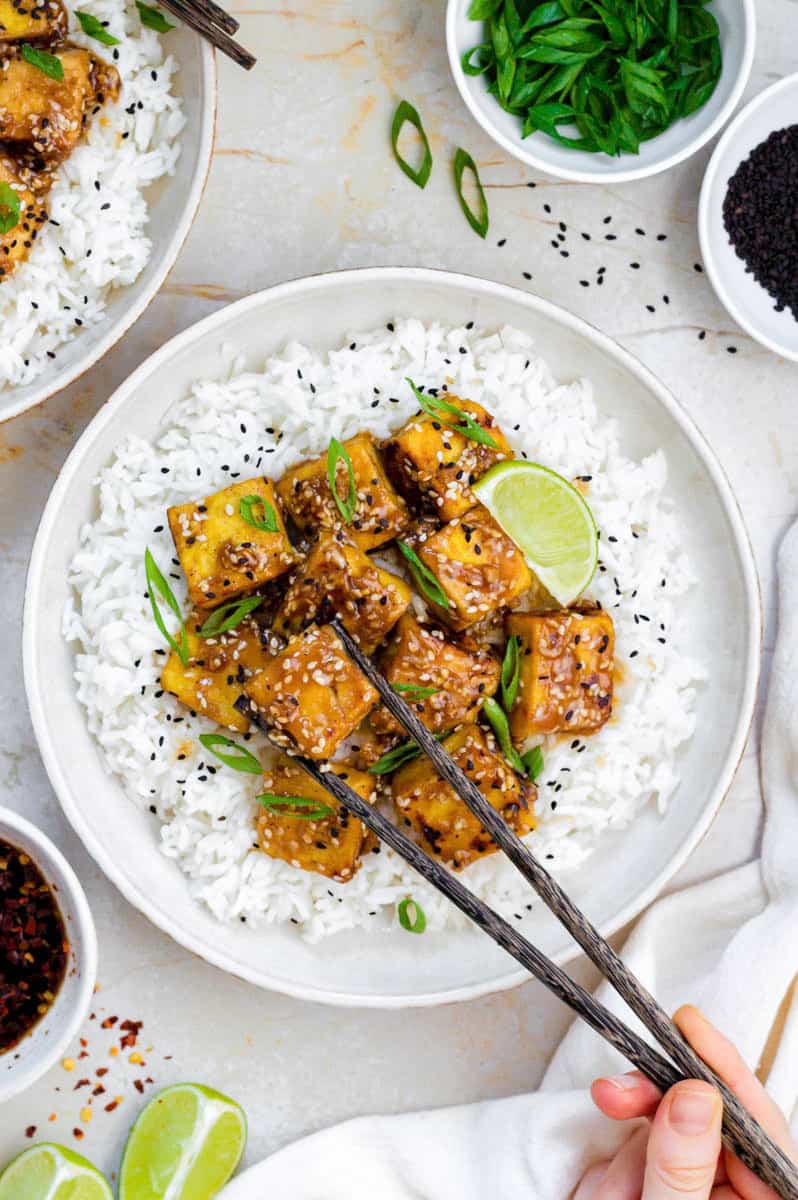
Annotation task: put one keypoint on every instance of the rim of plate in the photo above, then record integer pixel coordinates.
(516, 148)
(705, 217)
(208, 327)
(52, 862)
(117, 330)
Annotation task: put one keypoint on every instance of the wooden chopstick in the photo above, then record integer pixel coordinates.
(605, 1023)
(214, 24)
(743, 1135)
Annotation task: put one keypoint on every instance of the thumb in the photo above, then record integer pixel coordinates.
(684, 1145)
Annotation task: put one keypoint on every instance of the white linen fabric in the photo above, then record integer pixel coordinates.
(729, 945)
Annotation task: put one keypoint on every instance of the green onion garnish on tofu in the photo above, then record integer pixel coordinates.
(426, 582)
(287, 806)
(335, 454)
(267, 523)
(227, 616)
(453, 417)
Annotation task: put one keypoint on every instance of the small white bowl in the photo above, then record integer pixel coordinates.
(752, 307)
(737, 21)
(39, 1050)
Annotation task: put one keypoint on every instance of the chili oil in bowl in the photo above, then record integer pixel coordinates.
(48, 954)
(748, 218)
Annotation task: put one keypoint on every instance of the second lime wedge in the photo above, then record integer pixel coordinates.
(51, 1172)
(185, 1145)
(548, 519)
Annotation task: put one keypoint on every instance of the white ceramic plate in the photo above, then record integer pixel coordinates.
(746, 300)
(628, 870)
(737, 21)
(172, 203)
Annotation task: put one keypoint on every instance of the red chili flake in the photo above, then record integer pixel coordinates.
(30, 1131)
(78, 1133)
(33, 953)
(99, 1090)
(109, 1022)
(84, 1043)
(81, 1083)
(138, 1085)
(101, 1071)
(112, 1106)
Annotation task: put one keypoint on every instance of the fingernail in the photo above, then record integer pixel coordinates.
(624, 1083)
(692, 1109)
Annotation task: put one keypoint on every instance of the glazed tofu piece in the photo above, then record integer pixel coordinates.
(16, 245)
(217, 670)
(338, 579)
(478, 566)
(31, 21)
(433, 465)
(566, 672)
(311, 693)
(440, 819)
(222, 553)
(45, 114)
(380, 513)
(422, 656)
(331, 845)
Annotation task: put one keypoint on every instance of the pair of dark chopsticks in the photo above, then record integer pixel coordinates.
(214, 24)
(741, 1133)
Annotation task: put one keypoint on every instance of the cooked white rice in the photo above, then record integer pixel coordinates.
(96, 240)
(266, 422)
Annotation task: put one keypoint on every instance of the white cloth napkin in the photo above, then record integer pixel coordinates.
(730, 945)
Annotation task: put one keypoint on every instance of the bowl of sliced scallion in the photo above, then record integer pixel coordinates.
(601, 90)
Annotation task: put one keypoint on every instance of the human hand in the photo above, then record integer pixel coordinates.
(678, 1153)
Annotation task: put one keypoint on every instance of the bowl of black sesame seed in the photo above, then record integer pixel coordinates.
(748, 218)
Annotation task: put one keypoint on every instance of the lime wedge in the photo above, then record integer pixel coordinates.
(548, 520)
(50, 1172)
(185, 1145)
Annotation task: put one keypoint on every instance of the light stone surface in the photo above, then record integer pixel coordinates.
(303, 181)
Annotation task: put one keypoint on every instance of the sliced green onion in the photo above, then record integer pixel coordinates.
(338, 453)
(240, 760)
(479, 222)
(95, 29)
(268, 523)
(401, 754)
(533, 762)
(511, 672)
(10, 208)
(411, 915)
(406, 112)
(464, 423)
(498, 719)
(312, 810)
(152, 19)
(157, 583)
(414, 691)
(227, 616)
(426, 581)
(48, 63)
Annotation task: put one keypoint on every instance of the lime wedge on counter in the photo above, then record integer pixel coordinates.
(548, 519)
(185, 1145)
(50, 1172)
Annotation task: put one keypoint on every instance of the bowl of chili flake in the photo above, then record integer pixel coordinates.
(48, 954)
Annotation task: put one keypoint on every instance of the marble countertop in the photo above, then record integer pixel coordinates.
(303, 181)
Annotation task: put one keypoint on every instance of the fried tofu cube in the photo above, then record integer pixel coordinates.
(462, 674)
(380, 513)
(31, 20)
(479, 568)
(45, 113)
(433, 465)
(312, 693)
(216, 671)
(338, 579)
(566, 675)
(221, 552)
(16, 245)
(440, 819)
(331, 845)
